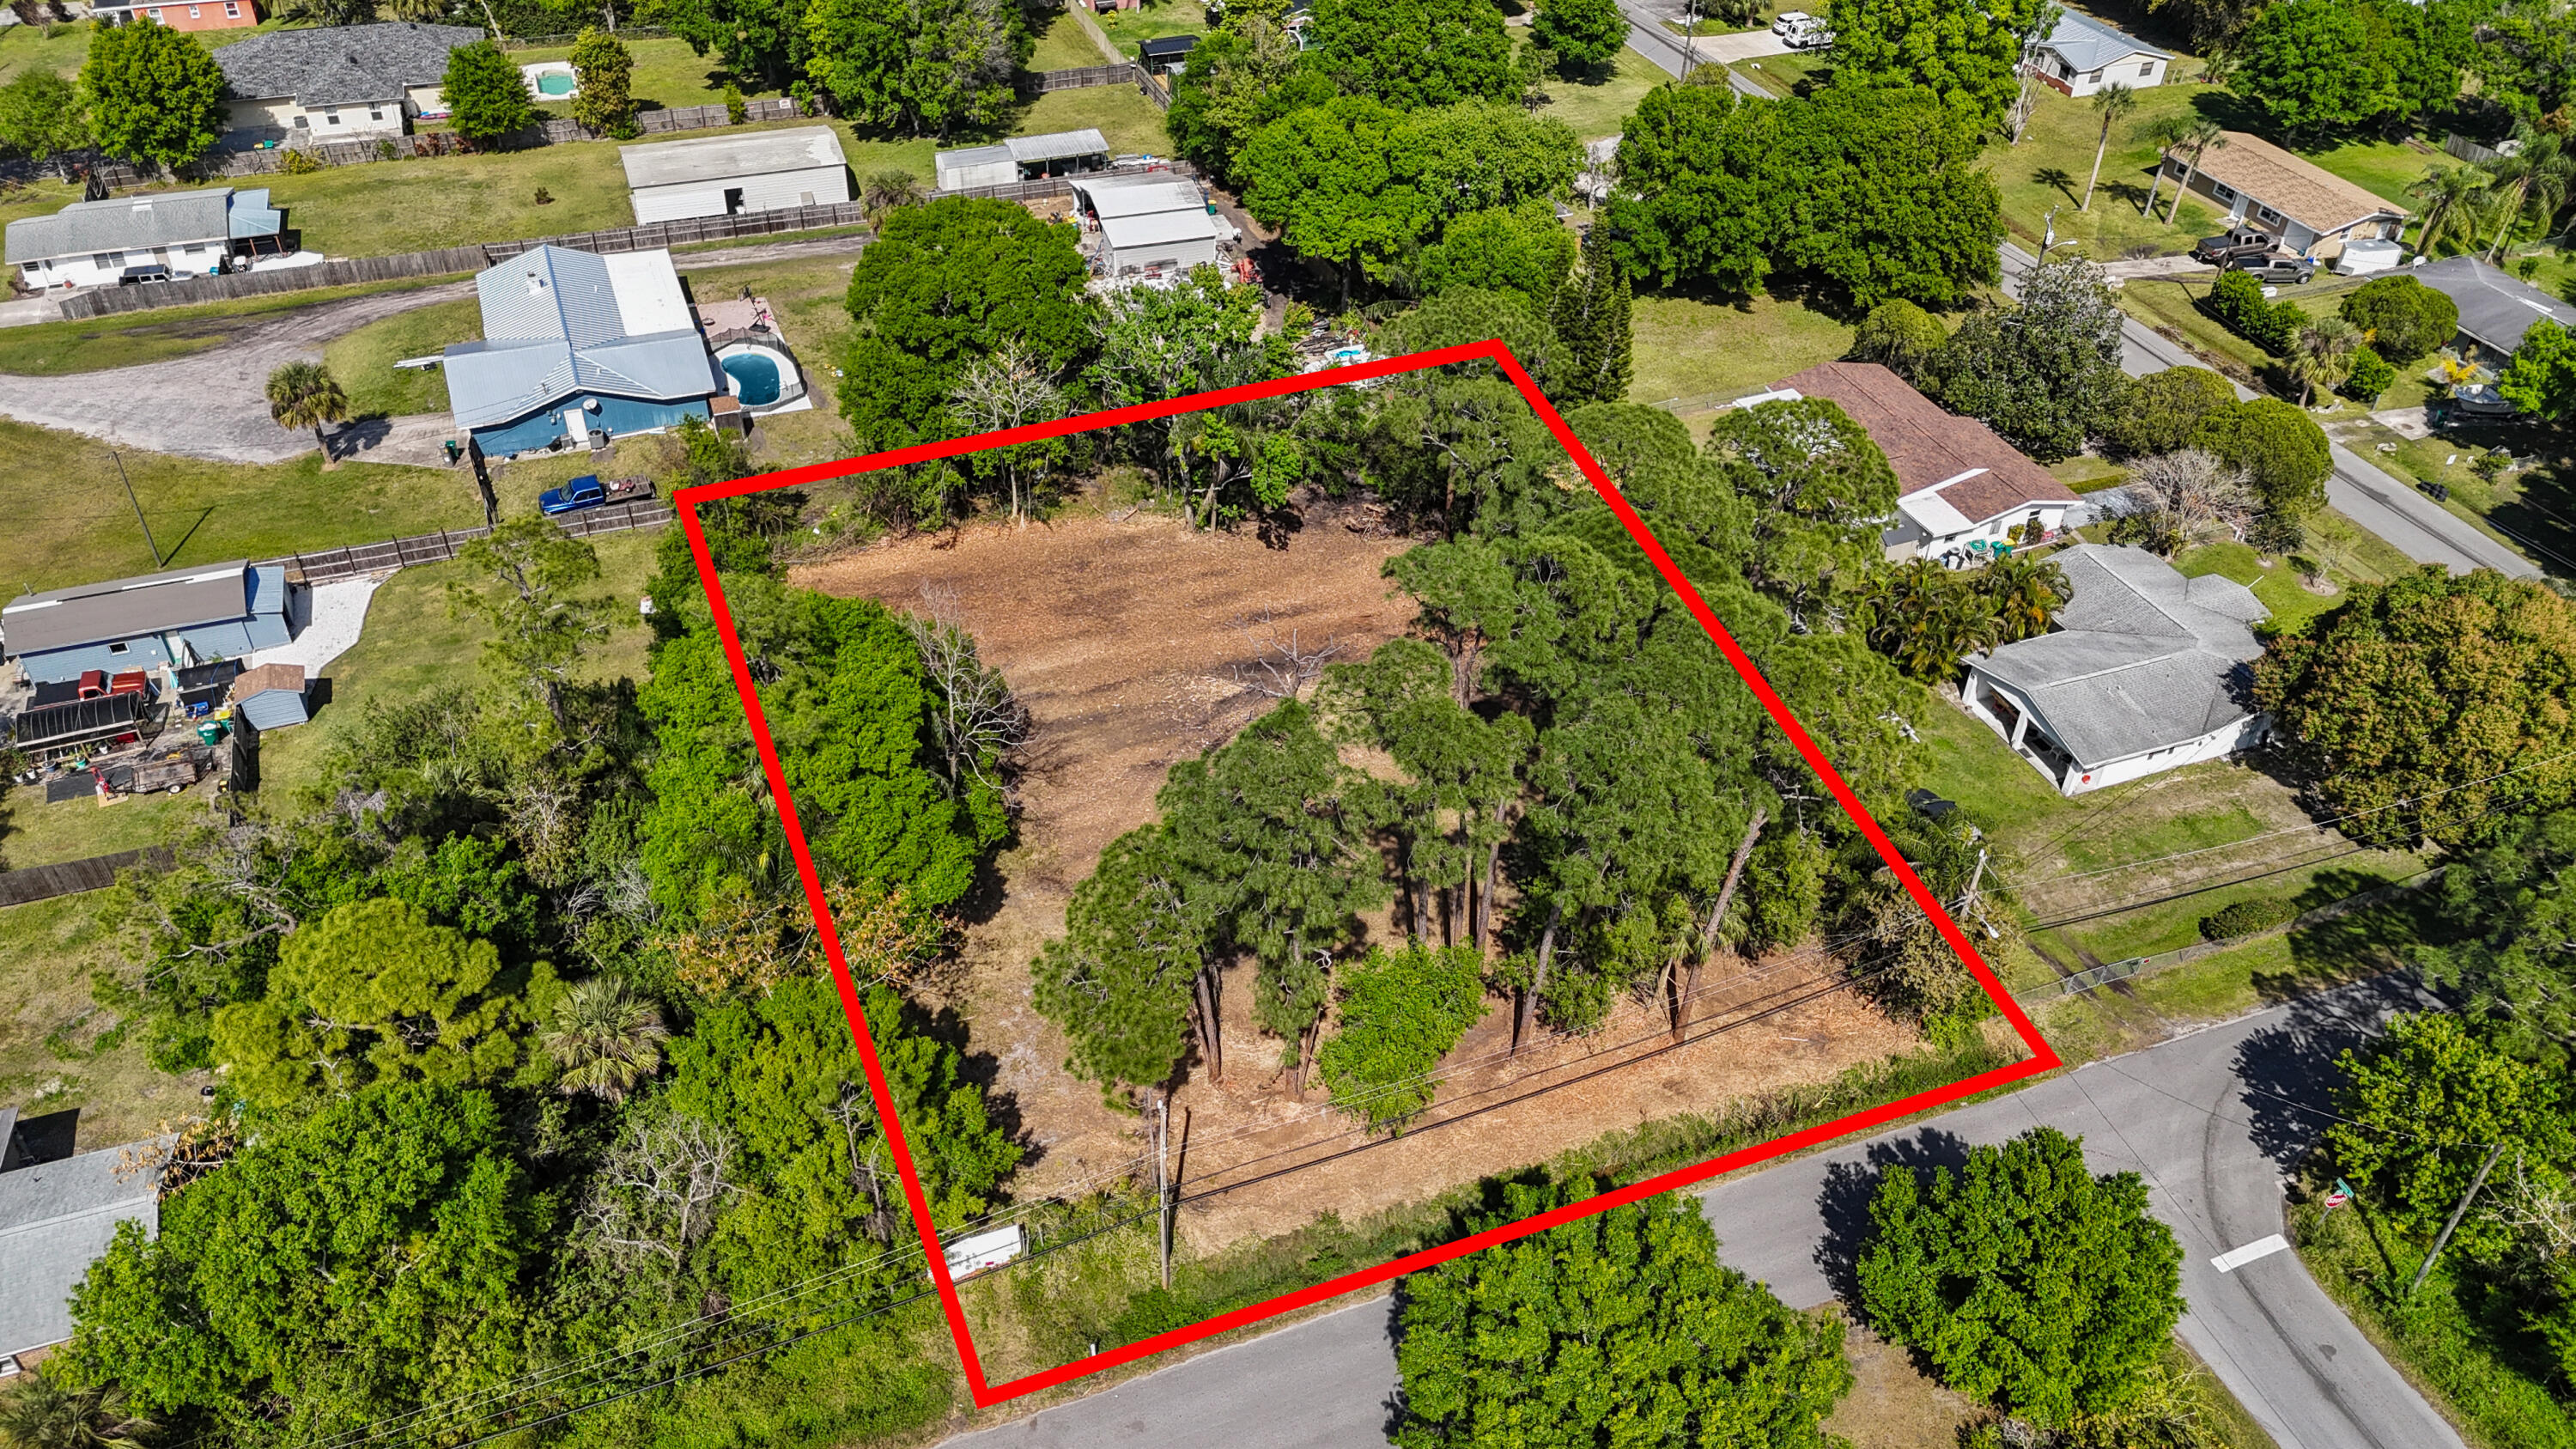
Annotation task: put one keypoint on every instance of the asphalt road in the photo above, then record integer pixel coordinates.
(2413, 524)
(1648, 37)
(2211, 1120)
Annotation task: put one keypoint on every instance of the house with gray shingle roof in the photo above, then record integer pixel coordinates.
(2495, 309)
(575, 345)
(2083, 55)
(338, 82)
(57, 1218)
(156, 234)
(2147, 671)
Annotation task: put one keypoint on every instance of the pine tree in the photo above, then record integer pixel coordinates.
(1591, 315)
(1133, 972)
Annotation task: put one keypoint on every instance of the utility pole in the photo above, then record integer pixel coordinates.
(2457, 1213)
(1968, 901)
(1690, 37)
(1163, 1183)
(138, 507)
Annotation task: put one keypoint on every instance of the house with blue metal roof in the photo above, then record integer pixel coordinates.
(578, 349)
(167, 620)
(2082, 55)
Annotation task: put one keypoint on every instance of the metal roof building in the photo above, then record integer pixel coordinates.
(728, 175)
(2147, 671)
(93, 242)
(2082, 55)
(575, 344)
(1153, 225)
(1021, 158)
(271, 696)
(2495, 308)
(222, 611)
(57, 1218)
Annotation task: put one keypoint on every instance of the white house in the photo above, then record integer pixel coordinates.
(1021, 158)
(2147, 671)
(1963, 494)
(2312, 210)
(2083, 55)
(165, 234)
(729, 175)
(1149, 226)
(336, 82)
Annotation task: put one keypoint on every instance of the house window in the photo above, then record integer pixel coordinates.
(232, 9)
(375, 113)
(155, 12)
(195, 14)
(118, 648)
(2267, 213)
(32, 268)
(2091, 76)
(2148, 69)
(302, 121)
(2222, 191)
(331, 118)
(103, 259)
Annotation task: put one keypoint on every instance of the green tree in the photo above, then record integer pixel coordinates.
(2198, 140)
(2027, 1281)
(2449, 194)
(1592, 319)
(2280, 447)
(372, 991)
(1927, 619)
(1901, 337)
(2112, 103)
(1820, 490)
(1134, 976)
(2025, 592)
(2420, 1105)
(1402, 1010)
(1619, 1328)
(943, 285)
(306, 395)
(2507, 907)
(1700, 206)
(607, 1040)
(1460, 442)
(40, 1412)
(2311, 65)
(1586, 35)
(2370, 376)
(2044, 374)
(604, 76)
(2404, 320)
(156, 98)
(2163, 409)
(2430, 705)
(1966, 55)
(1242, 76)
(487, 97)
(1882, 195)
(763, 39)
(532, 586)
(44, 117)
(357, 1263)
(1413, 54)
(2321, 355)
(1525, 250)
(1167, 342)
(928, 69)
(2541, 379)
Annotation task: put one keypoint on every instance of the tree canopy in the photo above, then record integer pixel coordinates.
(925, 69)
(487, 97)
(155, 97)
(1413, 54)
(2044, 374)
(1967, 55)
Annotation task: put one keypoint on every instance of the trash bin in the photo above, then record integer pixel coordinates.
(210, 732)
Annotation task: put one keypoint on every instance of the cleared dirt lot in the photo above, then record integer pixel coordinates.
(1125, 638)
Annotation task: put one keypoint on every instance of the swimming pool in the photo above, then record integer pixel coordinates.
(554, 84)
(755, 378)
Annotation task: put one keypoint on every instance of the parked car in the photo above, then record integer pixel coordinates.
(1810, 35)
(1789, 22)
(583, 492)
(2235, 242)
(2279, 267)
(2361, 258)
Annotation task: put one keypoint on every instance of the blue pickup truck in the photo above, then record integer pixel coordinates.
(583, 492)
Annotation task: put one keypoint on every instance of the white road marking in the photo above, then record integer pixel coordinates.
(2235, 1258)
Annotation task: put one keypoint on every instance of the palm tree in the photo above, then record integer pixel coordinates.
(2446, 194)
(2111, 103)
(606, 1038)
(306, 395)
(1926, 619)
(2322, 353)
(2541, 164)
(2025, 593)
(2165, 133)
(2203, 137)
(40, 1414)
(888, 189)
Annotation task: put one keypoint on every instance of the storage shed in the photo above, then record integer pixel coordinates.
(1168, 54)
(730, 175)
(271, 696)
(1154, 225)
(1022, 158)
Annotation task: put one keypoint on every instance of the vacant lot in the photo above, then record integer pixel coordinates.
(58, 1050)
(1125, 637)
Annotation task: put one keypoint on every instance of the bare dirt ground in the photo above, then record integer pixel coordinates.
(1124, 638)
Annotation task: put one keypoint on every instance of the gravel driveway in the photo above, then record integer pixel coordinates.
(212, 404)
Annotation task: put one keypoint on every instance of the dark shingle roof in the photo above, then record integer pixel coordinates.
(2494, 308)
(341, 64)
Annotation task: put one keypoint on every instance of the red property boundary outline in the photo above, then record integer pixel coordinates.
(986, 1394)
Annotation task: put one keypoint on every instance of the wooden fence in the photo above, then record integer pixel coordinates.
(1080, 78)
(335, 564)
(656, 234)
(2092, 977)
(44, 882)
(2471, 151)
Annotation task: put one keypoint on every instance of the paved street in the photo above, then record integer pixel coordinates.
(2212, 1120)
(1648, 37)
(2413, 524)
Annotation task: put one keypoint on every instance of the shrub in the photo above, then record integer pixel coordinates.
(545, 197)
(1402, 1010)
(300, 163)
(2164, 408)
(2371, 375)
(2278, 445)
(386, 150)
(2237, 301)
(1899, 335)
(2247, 917)
(736, 109)
(2406, 320)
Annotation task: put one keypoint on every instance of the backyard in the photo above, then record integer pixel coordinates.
(1693, 356)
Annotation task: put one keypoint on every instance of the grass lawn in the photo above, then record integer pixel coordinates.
(1596, 107)
(35, 833)
(1132, 124)
(2173, 307)
(1151, 21)
(667, 75)
(364, 360)
(2384, 168)
(58, 1050)
(2526, 506)
(70, 522)
(48, 349)
(1697, 355)
(2049, 167)
(2087, 474)
(420, 204)
(59, 48)
(1065, 45)
(2273, 582)
(1782, 73)
(809, 298)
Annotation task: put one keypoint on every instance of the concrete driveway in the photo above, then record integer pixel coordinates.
(2212, 1120)
(213, 404)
